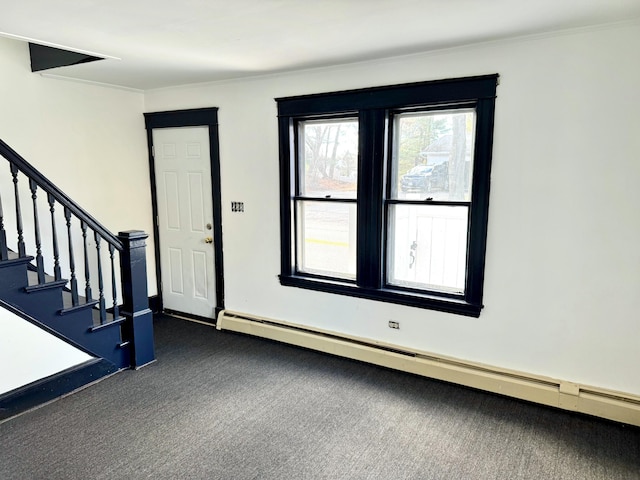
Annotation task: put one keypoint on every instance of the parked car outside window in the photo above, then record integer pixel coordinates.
(417, 179)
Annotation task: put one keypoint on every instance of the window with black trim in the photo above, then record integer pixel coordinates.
(385, 192)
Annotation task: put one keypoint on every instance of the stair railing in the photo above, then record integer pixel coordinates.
(115, 264)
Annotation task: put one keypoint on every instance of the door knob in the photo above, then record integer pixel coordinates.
(208, 240)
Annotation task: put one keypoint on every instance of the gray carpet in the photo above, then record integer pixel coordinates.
(225, 406)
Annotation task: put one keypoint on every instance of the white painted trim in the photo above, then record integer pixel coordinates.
(56, 45)
(617, 406)
(90, 82)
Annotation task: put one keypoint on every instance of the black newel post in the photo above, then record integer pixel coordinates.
(138, 329)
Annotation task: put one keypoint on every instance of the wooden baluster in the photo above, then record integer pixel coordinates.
(114, 287)
(56, 253)
(72, 262)
(4, 252)
(87, 275)
(36, 225)
(21, 248)
(103, 311)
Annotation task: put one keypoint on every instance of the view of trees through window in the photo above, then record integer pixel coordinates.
(421, 140)
(330, 158)
(433, 154)
(427, 244)
(416, 132)
(431, 159)
(327, 229)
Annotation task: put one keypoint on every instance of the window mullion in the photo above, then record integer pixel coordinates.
(372, 141)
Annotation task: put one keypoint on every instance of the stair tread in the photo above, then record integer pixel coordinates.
(32, 275)
(91, 304)
(38, 287)
(14, 259)
(67, 303)
(109, 317)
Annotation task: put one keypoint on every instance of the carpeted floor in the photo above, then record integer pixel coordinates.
(225, 406)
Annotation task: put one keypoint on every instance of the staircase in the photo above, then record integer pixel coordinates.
(68, 272)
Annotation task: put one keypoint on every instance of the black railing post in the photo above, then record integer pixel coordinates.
(138, 328)
(72, 261)
(57, 273)
(101, 304)
(87, 274)
(33, 186)
(21, 248)
(4, 252)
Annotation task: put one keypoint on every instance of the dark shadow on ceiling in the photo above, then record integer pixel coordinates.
(44, 58)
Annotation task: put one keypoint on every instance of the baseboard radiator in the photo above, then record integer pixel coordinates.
(617, 406)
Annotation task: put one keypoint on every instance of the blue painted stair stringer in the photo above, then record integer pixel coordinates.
(45, 303)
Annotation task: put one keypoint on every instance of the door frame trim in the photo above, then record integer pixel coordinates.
(197, 117)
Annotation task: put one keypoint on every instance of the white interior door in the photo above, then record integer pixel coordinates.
(185, 219)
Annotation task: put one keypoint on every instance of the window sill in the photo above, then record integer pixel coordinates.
(411, 299)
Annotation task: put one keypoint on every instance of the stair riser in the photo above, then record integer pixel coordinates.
(103, 343)
(44, 301)
(13, 279)
(45, 305)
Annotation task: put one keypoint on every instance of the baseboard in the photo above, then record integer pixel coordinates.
(611, 405)
(55, 386)
(154, 303)
(191, 317)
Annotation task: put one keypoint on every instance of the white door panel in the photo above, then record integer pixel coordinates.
(185, 217)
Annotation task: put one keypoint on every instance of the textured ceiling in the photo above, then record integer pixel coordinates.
(160, 43)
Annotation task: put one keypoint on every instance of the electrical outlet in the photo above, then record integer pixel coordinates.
(393, 324)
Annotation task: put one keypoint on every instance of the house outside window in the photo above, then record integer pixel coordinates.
(385, 192)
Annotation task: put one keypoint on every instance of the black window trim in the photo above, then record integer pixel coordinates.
(373, 107)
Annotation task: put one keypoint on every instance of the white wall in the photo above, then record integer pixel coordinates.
(91, 142)
(45, 354)
(562, 269)
(88, 140)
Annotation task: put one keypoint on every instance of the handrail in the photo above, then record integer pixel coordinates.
(31, 172)
(129, 302)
